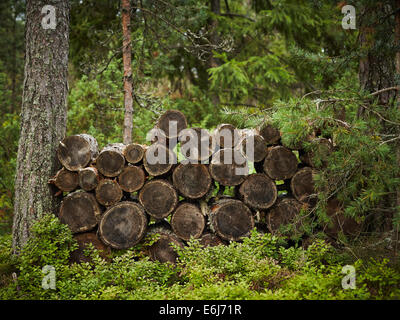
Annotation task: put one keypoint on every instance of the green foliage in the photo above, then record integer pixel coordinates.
(96, 108)
(9, 133)
(259, 267)
(381, 279)
(251, 64)
(9, 127)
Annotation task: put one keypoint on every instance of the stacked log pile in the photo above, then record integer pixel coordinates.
(115, 196)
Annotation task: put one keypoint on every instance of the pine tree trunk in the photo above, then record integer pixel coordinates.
(126, 57)
(43, 116)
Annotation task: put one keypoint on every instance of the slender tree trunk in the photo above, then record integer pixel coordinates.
(126, 57)
(397, 42)
(376, 66)
(215, 6)
(43, 116)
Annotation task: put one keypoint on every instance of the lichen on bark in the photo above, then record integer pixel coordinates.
(43, 116)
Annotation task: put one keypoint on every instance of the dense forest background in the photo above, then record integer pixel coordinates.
(289, 63)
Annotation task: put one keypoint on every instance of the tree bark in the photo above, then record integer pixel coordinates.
(215, 7)
(376, 67)
(127, 58)
(43, 116)
(397, 41)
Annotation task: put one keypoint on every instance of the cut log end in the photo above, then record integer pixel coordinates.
(111, 161)
(159, 198)
(229, 167)
(340, 224)
(302, 186)
(270, 134)
(76, 151)
(253, 147)
(134, 153)
(209, 239)
(108, 192)
(258, 191)
(66, 180)
(280, 163)
(318, 156)
(192, 180)
(162, 250)
(131, 178)
(159, 160)
(285, 211)
(231, 219)
(123, 225)
(88, 178)
(80, 211)
(172, 122)
(196, 144)
(83, 239)
(226, 135)
(187, 221)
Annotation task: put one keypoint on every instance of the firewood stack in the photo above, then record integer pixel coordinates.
(116, 195)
